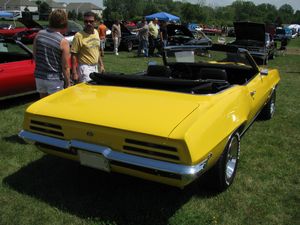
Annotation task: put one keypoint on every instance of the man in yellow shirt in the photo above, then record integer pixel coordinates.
(85, 51)
(153, 36)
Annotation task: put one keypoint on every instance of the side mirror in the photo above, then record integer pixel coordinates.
(264, 72)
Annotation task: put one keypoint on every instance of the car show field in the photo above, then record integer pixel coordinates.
(40, 189)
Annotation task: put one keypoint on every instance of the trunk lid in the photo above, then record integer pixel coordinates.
(138, 110)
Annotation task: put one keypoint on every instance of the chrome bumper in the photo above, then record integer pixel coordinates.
(187, 172)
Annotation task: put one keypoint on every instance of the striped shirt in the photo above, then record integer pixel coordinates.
(48, 56)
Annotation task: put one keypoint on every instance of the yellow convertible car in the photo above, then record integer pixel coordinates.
(169, 124)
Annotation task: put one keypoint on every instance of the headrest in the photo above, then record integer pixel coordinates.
(213, 73)
(158, 71)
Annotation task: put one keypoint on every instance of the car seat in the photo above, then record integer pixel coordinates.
(158, 71)
(213, 73)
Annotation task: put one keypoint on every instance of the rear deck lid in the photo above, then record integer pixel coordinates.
(134, 109)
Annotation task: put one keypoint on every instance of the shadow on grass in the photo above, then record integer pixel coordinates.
(21, 100)
(90, 193)
(14, 139)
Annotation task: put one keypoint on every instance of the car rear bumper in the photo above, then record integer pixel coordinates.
(184, 174)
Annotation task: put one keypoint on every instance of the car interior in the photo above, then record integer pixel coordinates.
(11, 52)
(181, 77)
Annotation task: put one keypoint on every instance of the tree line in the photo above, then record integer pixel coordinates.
(239, 10)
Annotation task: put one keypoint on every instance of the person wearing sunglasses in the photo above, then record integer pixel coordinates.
(85, 51)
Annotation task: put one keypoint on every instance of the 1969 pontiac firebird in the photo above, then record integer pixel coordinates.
(169, 124)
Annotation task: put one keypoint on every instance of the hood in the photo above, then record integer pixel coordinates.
(174, 29)
(133, 109)
(249, 31)
(30, 23)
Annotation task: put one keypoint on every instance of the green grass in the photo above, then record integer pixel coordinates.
(40, 189)
(294, 43)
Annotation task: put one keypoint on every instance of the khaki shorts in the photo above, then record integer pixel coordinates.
(48, 86)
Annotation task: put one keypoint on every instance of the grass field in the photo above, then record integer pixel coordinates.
(37, 189)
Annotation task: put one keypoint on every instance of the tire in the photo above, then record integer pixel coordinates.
(266, 61)
(222, 175)
(269, 109)
(129, 46)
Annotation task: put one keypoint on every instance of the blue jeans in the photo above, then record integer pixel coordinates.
(143, 44)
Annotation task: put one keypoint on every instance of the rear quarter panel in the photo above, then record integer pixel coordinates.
(206, 131)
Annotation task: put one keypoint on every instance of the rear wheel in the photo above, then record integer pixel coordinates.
(129, 46)
(269, 109)
(266, 61)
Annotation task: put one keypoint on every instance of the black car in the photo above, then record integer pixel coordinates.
(129, 39)
(181, 35)
(253, 37)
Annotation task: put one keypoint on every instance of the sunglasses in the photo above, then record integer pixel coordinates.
(89, 21)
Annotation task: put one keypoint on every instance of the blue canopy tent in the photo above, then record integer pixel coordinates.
(163, 16)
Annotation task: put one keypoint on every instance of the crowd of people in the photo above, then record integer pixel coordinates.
(52, 52)
(151, 37)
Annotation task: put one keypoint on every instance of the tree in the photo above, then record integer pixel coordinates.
(44, 8)
(268, 13)
(239, 10)
(244, 11)
(80, 16)
(296, 17)
(38, 3)
(189, 12)
(72, 15)
(286, 12)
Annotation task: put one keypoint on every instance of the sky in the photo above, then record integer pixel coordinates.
(294, 3)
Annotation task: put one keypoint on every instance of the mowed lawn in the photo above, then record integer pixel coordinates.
(37, 189)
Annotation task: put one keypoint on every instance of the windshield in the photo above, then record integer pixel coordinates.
(205, 56)
(12, 48)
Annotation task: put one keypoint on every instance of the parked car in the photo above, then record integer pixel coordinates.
(24, 34)
(169, 124)
(129, 39)
(73, 28)
(212, 31)
(181, 35)
(6, 26)
(283, 33)
(230, 32)
(16, 69)
(253, 37)
(27, 36)
(194, 27)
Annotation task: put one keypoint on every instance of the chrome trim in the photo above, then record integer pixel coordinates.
(44, 139)
(190, 171)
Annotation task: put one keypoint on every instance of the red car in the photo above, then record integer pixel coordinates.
(212, 31)
(25, 34)
(16, 69)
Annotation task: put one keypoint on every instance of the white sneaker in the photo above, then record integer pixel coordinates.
(116, 53)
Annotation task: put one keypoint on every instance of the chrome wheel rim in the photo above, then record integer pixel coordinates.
(232, 158)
